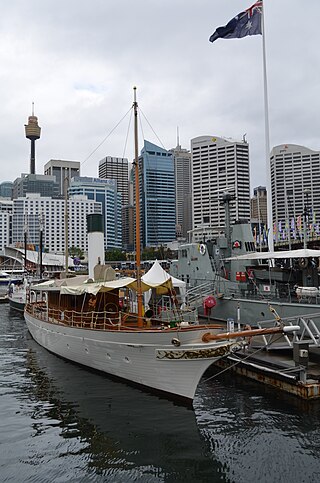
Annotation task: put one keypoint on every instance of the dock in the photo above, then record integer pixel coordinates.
(290, 364)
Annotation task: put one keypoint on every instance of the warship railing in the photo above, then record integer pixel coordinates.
(309, 332)
(196, 295)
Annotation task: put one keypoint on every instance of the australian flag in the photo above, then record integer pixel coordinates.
(245, 23)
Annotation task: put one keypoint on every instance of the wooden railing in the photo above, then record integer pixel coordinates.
(95, 320)
(72, 318)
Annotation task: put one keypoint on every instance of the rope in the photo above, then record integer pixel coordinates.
(241, 360)
(152, 129)
(109, 134)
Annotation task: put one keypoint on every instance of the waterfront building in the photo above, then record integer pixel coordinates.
(295, 184)
(33, 210)
(6, 207)
(64, 171)
(218, 165)
(105, 192)
(6, 189)
(157, 195)
(36, 183)
(183, 190)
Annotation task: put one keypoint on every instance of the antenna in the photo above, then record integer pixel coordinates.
(178, 140)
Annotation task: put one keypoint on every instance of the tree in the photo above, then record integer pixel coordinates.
(76, 252)
(115, 254)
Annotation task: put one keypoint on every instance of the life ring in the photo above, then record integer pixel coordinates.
(208, 303)
(303, 262)
(202, 249)
(110, 307)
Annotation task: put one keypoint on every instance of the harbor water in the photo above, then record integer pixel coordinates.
(62, 423)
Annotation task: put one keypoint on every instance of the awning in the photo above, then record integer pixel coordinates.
(301, 253)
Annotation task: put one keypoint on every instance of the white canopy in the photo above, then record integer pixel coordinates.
(80, 285)
(157, 276)
(301, 253)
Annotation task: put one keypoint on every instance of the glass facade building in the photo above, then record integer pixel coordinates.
(105, 192)
(36, 183)
(157, 195)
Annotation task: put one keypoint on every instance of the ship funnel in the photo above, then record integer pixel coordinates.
(95, 242)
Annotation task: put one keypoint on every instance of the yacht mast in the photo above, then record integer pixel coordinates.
(137, 200)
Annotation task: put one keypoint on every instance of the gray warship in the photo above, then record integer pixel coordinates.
(228, 279)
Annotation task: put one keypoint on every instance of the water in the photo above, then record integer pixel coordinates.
(59, 423)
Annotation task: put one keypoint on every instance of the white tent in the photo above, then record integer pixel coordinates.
(157, 276)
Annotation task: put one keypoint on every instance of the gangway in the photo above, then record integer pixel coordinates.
(196, 295)
(309, 332)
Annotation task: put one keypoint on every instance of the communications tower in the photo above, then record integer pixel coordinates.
(32, 130)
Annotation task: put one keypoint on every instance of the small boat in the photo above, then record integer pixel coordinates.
(17, 295)
(6, 278)
(86, 321)
(4, 298)
(18, 292)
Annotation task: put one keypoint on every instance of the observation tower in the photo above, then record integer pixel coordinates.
(32, 130)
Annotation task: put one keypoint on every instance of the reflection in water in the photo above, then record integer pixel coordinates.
(60, 422)
(258, 433)
(124, 433)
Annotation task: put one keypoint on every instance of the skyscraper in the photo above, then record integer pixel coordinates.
(295, 183)
(118, 169)
(183, 190)
(219, 165)
(35, 183)
(104, 191)
(64, 171)
(259, 205)
(157, 194)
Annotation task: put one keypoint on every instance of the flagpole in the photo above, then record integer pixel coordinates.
(267, 137)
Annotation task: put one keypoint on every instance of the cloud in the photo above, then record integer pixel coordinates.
(78, 62)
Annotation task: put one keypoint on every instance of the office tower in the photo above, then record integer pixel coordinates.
(259, 205)
(218, 165)
(36, 183)
(28, 210)
(64, 171)
(118, 169)
(32, 131)
(104, 191)
(295, 184)
(183, 190)
(6, 189)
(157, 194)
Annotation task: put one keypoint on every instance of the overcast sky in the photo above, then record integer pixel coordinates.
(78, 61)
